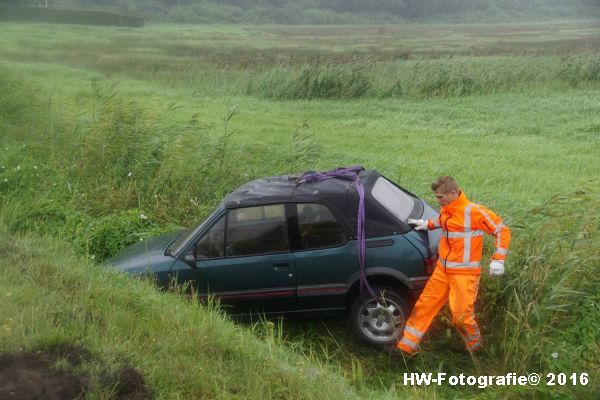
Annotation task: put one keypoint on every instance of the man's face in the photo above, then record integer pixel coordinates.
(445, 198)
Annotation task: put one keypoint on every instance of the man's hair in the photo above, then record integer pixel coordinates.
(445, 184)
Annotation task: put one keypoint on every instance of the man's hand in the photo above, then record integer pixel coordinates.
(419, 224)
(497, 268)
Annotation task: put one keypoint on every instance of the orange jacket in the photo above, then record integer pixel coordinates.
(463, 224)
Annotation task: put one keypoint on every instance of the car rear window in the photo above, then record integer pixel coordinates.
(393, 199)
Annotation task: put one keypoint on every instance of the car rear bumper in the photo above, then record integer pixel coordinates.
(416, 286)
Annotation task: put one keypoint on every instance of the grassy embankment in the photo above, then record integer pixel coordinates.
(514, 119)
(52, 299)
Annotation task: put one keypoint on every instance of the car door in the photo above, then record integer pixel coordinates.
(324, 257)
(244, 259)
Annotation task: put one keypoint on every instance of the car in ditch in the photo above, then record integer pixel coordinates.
(278, 246)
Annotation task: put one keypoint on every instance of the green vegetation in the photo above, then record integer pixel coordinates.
(111, 135)
(418, 79)
(408, 61)
(339, 11)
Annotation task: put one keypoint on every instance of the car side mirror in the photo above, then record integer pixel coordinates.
(190, 260)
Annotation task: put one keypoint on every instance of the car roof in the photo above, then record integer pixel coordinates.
(285, 188)
(337, 193)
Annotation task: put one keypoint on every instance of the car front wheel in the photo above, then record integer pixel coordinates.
(379, 321)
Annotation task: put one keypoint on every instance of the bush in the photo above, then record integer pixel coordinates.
(105, 236)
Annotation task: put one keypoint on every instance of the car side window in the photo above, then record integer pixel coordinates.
(257, 230)
(318, 227)
(212, 244)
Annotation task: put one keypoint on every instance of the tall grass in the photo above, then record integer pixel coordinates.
(451, 77)
(313, 82)
(114, 173)
(545, 316)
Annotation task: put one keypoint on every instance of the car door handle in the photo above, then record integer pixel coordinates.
(281, 266)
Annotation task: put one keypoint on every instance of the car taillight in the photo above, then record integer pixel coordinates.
(430, 264)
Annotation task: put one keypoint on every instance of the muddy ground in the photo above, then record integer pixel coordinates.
(50, 374)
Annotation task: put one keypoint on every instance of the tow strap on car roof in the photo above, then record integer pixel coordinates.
(350, 174)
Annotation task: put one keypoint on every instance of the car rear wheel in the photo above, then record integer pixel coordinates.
(379, 321)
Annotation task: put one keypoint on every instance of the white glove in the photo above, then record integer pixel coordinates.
(420, 224)
(497, 268)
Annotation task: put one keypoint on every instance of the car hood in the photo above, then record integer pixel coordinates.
(147, 255)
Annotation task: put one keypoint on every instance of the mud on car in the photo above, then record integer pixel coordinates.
(277, 246)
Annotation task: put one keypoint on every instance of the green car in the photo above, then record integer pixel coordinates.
(276, 246)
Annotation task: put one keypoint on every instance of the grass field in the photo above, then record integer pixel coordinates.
(110, 135)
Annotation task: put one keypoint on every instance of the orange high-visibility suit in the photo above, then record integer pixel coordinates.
(456, 277)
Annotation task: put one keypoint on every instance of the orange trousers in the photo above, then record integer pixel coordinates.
(460, 291)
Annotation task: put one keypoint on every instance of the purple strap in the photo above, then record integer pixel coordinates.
(351, 174)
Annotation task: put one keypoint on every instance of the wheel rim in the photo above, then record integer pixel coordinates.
(380, 320)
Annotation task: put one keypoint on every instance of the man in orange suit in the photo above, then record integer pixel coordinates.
(456, 276)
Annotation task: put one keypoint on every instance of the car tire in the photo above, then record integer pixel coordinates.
(380, 321)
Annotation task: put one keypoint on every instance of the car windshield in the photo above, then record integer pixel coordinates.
(187, 235)
(394, 199)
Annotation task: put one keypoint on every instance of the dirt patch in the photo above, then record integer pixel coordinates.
(130, 385)
(27, 376)
(49, 374)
